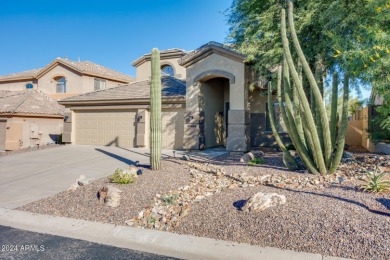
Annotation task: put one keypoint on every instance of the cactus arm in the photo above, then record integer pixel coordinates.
(333, 109)
(155, 112)
(297, 106)
(343, 127)
(300, 147)
(302, 96)
(282, 147)
(317, 94)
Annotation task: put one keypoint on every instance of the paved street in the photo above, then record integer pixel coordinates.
(20, 244)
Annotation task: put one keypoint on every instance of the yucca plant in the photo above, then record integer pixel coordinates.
(374, 182)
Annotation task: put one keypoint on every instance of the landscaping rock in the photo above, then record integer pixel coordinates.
(113, 197)
(132, 170)
(251, 156)
(76, 184)
(84, 182)
(261, 201)
(185, 158)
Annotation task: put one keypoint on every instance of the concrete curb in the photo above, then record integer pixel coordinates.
(151, 241)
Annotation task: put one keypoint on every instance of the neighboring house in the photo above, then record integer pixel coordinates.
(358, 124)
(64, 78)
(206, 103)
(28, 118)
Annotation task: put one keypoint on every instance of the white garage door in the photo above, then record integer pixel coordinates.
(115, 128)
(172, 129)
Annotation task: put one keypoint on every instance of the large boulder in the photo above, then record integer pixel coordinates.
(261, 201)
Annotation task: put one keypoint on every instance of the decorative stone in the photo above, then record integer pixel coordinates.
(113, 197)
(84, 182)
(76, 184)
(185, 158)
(261, 201)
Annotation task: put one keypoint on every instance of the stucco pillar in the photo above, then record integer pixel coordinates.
(238, 131)
(193, 121)
(68, 127)
(141, 128)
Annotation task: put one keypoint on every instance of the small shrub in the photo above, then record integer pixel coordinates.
(374, 182)
(256, 161)
(169, 199)
(121, 177)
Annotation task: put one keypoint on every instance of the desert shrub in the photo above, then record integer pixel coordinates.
(169, 199)
(374, 182)
(121, 177)
(256, 161)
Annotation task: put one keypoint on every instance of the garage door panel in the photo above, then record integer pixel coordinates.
(172, 129)
(105, 128)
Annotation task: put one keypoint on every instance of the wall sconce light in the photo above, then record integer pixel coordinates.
(191, 117)
(139, 118)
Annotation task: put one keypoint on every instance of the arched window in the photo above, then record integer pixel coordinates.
(29, 86)
(61, 85)
(167, 70)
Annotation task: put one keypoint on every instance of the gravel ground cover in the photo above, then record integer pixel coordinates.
(83, 203)
(333, 220)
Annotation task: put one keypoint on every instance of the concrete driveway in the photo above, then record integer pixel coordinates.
(30, 176)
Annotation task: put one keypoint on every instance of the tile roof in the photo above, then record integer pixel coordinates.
(228, 48)
(21, 75)
(84, 67)
(164, 54)
(96, 69)
(32, 102)
(171, 87)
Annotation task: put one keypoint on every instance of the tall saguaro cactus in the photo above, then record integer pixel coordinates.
(316, 143)
(155, 112)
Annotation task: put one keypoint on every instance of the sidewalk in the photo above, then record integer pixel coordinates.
(150, 241)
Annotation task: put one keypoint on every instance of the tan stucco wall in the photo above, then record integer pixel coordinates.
(143, 71)
(238, 125)
(17, 85)
(23, 132)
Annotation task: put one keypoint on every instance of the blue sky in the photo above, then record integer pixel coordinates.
(111, 33)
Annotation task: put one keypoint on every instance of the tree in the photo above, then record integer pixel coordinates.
(343, 35)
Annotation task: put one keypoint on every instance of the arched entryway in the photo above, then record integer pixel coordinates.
(213, 110)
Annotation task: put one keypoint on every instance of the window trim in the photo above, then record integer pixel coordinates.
(165, 64)
(99, 81)
(57, 80)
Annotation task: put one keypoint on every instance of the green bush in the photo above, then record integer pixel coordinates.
(169, 199)
(374, 182)
(257, 161)
(121, 177)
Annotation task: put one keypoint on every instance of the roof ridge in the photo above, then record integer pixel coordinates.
(23, 100)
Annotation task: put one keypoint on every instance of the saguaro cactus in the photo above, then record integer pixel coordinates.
(315, 144)
(155, 112)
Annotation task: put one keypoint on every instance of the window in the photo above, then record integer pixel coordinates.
(29, 86)
(278, 119)
(100, 84)
(167, 70)
(61, 85)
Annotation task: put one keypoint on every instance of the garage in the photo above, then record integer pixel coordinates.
(172, 129)
(115, 128)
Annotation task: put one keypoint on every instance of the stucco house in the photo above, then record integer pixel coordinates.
(28, 118)
(64, 78)
(206, 103)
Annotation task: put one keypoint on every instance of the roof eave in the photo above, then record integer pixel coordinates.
(120, 101)
(163, 56)
(191, 59)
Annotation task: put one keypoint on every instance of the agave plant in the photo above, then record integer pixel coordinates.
(374, 181)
